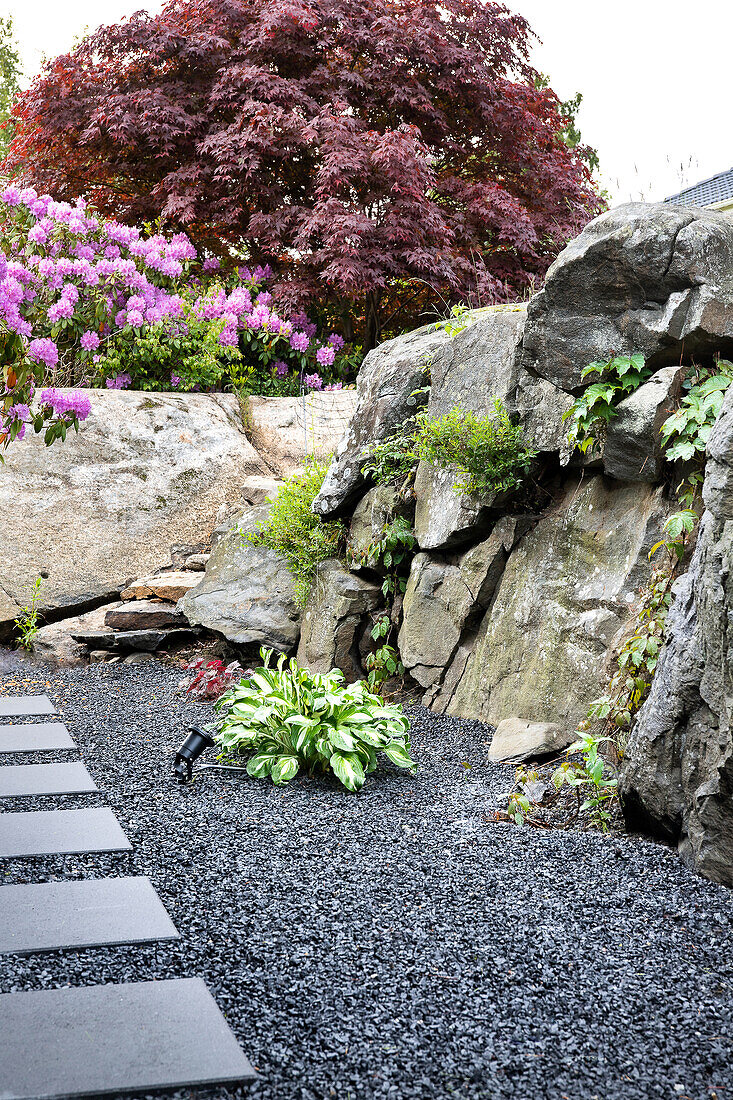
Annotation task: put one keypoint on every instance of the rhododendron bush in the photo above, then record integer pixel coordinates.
(95, 302)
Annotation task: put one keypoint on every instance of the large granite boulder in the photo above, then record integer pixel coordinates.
(542, 649)
(146, 471)
(334, 619)
(386, 392)
(677, 772)
(640, 278)
(247, 592)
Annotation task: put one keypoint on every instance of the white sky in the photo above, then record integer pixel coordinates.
(655, 77)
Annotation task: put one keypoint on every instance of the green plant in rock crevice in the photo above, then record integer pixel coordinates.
(391, 555)
(296, 533)
(686, 432)
(27, 621)
(490, 453)
(590, 413)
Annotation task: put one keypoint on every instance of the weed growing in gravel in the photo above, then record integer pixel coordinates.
(285, 718)
(590, 778)
(295, 532)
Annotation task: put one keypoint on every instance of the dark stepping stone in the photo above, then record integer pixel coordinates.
(34, 779)
(35, 737)
(18, 706)
(139, 1037)
(60, 832)
(38, 737)
(88, 913)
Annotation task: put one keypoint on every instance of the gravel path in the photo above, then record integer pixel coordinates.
(396, 944)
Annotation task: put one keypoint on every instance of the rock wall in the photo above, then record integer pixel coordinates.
(513, 606)
(677, 774)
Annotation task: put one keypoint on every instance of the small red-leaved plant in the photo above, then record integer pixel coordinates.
(207, 680)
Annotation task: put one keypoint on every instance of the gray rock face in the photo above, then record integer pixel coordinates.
(479, 363)
(516, 740)
(333, 620)
(445, 517)
(641, 277)
(385, 391)
(287, 429)
(247, 591)
(146, 471)
(633, 448)
(442, 593)
(677, 774)
(542, 648)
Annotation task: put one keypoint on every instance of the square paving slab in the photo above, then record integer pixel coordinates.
(115, 1039)
(60, 832)
(85, 913)
(35, 779)
(18, 706)
(36, 737)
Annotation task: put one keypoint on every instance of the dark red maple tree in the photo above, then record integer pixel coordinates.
(381, 154)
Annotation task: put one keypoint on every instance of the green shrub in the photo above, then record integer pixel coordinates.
(297, 533)
(489, 452)
(285, 718)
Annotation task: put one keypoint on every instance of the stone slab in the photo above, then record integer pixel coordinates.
(97, 1040)
(53, 916)
(23, 780)
(35, 737)
(18, 706)
(60, 832)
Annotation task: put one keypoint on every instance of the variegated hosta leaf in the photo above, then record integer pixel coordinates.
(398, 755)
(348, 768)
(341, 739)
(261, 765)
(285, 769)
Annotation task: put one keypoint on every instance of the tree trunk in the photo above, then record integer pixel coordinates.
(372, 328)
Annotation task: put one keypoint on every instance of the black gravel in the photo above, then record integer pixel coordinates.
(398, 943)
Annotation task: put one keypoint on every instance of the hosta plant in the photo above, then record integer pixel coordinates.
(284, 718)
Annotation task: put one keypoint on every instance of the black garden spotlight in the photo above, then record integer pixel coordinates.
(196, 743)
